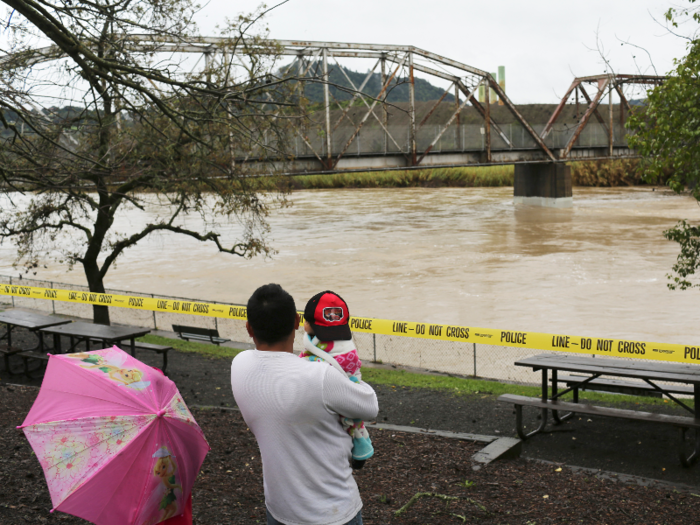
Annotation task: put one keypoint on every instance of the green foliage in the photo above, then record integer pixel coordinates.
(667, 130)
(674, 13)
(667, 134)
(688, 260)
(606, 173)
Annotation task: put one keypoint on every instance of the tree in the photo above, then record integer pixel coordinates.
(666, 132)
(105, 119)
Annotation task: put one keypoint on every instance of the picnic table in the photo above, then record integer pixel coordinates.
(82, 332)
(29, 320)
(649, 374)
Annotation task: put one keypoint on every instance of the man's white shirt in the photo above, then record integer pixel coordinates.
(292, 406)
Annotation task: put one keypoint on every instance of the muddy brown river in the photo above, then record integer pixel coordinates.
(465, 256)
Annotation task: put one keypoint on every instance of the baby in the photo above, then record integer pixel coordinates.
(328, 338)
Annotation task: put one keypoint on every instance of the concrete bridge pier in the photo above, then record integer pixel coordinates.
(543, 184)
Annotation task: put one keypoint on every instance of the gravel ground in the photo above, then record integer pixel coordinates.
(435, 473)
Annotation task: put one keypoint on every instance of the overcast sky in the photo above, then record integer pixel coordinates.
(542, 43)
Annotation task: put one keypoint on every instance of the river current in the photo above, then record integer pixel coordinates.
(465, 256)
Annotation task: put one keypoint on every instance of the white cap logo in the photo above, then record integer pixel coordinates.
(333, 314)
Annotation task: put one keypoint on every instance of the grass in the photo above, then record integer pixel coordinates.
(484, 176)
(208, 350)
(620, 172)
(459, 386)
(468, 386)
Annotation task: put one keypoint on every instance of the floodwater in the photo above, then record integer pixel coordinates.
(465, 256)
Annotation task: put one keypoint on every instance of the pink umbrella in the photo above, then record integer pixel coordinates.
(116, 441)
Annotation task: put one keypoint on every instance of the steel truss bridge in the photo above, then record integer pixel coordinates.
(368, 132)
(349, 138)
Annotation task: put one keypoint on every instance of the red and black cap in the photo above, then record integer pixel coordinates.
(328, 314)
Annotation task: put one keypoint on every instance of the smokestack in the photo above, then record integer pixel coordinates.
(482, 93)
(502, 81)
(492, 93)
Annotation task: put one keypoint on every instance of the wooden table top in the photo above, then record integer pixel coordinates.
(639, 368)
(30, 320)
(97, 331)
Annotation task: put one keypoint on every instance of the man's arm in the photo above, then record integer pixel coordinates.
(353, 400)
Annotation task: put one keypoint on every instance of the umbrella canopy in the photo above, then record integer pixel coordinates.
(116, 441)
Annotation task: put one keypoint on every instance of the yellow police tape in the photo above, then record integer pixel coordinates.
(441, 332)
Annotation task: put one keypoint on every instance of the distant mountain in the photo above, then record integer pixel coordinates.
(398, 90)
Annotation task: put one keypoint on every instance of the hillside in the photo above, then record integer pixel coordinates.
(426, 94)
(398, 91)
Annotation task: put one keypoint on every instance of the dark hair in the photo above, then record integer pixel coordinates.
(271, 313)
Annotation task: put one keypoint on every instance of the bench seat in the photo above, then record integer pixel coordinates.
(207, 335)
(637, 388)
(682, 422)
(6, 353)
(565, 406)
(33, 355)
(160, 349)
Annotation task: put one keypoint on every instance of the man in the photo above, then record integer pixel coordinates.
(292, 406)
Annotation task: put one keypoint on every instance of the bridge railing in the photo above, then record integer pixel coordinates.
(466, 137)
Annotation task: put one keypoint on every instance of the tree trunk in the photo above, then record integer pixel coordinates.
(100, 313)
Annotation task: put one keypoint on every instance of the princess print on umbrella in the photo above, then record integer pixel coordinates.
(163, 502)
(166, 469)
(112, 365)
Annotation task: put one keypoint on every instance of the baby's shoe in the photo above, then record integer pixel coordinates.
(362, 448)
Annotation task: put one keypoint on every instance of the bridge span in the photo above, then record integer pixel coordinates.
(473, 123)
